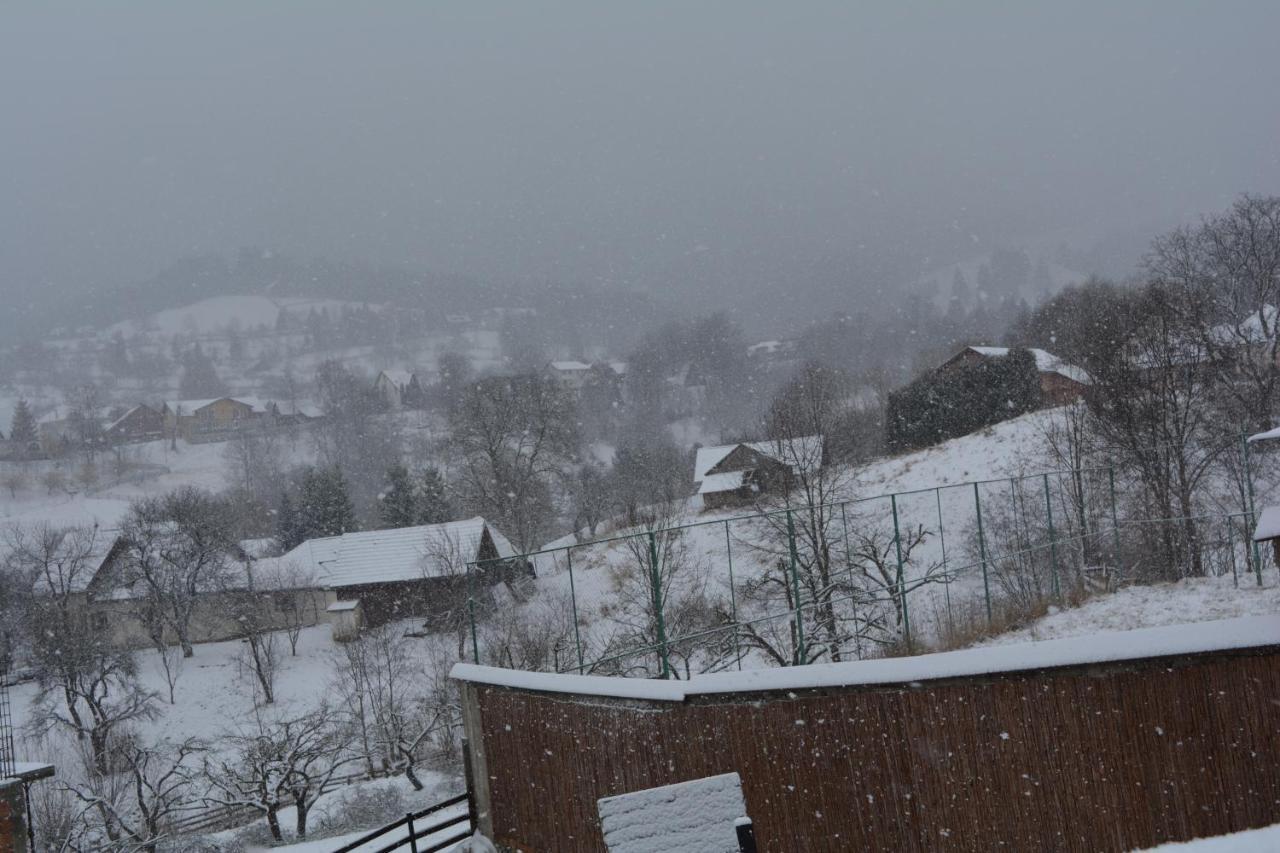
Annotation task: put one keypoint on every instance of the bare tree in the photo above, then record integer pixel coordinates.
(807, 426)
(1152, 399)
(512, 434)
(157, 787)
(280, 762)
(1232, 262)
(88, 683)
(177, 549)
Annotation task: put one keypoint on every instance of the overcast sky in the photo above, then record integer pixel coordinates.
(612, 141)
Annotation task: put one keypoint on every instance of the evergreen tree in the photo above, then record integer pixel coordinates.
(326, 508)
(398, 505)
(433, 504)
(22, 430)
(199, 377)
(288, 531)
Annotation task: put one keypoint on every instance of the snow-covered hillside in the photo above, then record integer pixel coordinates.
(218, 313)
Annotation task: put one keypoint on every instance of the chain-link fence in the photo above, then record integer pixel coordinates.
(868, 577)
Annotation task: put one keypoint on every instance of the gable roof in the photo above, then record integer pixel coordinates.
(1046, 362)
(190, 407)
(399, 554)
(120, 420)
(730, 481)
(783, 450)
(399, 378)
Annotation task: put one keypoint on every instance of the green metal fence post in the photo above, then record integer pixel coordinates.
(471, 612)
(982, 551)
(1053, 541)
(573, 600)
(1231, 548)
(801, 652)
(1115, 519)
(946, 576)
(733, 595)
(1250, 508)
(901, 583)
(659, 623)
(853, 587)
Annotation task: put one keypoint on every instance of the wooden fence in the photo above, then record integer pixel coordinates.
(1089, 756)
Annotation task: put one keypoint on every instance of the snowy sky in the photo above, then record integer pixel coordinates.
(611, 141)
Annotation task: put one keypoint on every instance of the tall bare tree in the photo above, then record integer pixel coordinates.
(512, 435)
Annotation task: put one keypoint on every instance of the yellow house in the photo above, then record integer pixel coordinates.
(193, 417)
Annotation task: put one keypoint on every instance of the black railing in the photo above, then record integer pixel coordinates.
(417, 826)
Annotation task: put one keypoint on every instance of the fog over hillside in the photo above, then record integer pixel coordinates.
(724, 154)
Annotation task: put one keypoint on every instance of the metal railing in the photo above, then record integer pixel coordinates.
(419, 826)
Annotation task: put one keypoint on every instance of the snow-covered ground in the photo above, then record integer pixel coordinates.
(1188, 601)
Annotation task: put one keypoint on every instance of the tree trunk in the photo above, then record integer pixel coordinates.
(273, 823)
(301, 826)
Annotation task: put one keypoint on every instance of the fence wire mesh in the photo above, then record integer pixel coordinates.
(866, 577)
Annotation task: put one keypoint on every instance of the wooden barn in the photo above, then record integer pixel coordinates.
(736, 474)
(1060, 383)
(141, 423)
(405, 572)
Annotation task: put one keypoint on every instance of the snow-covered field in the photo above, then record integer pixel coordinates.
(1186, 602)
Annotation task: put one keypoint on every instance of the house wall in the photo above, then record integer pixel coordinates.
(1058, 390)
(212, 620)
(1102, 757)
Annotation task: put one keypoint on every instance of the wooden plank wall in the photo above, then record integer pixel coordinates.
(1110, 757)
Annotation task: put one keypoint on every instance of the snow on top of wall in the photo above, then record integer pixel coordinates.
(1246, 632)
(694, 817)
(1265, 839)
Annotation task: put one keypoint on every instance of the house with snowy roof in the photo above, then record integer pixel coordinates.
(399, 388)
(141, 423)
(571, 375)
(375, 576)
(193, 419)
(1060, 382)
(735, 474)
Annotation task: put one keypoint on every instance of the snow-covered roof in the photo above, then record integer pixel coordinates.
(1268, 524)
(1046, 362)
(343, 606)
(258, 548)
(398, 378)
(618, 367)
(190, 407)
(126, 415)
(399, 554)
(302, 407)
(1264, 436)
(570, 366)
(80, 566)
(1103, 647)
(727, 482)
(1252, 329)
(807, 448)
